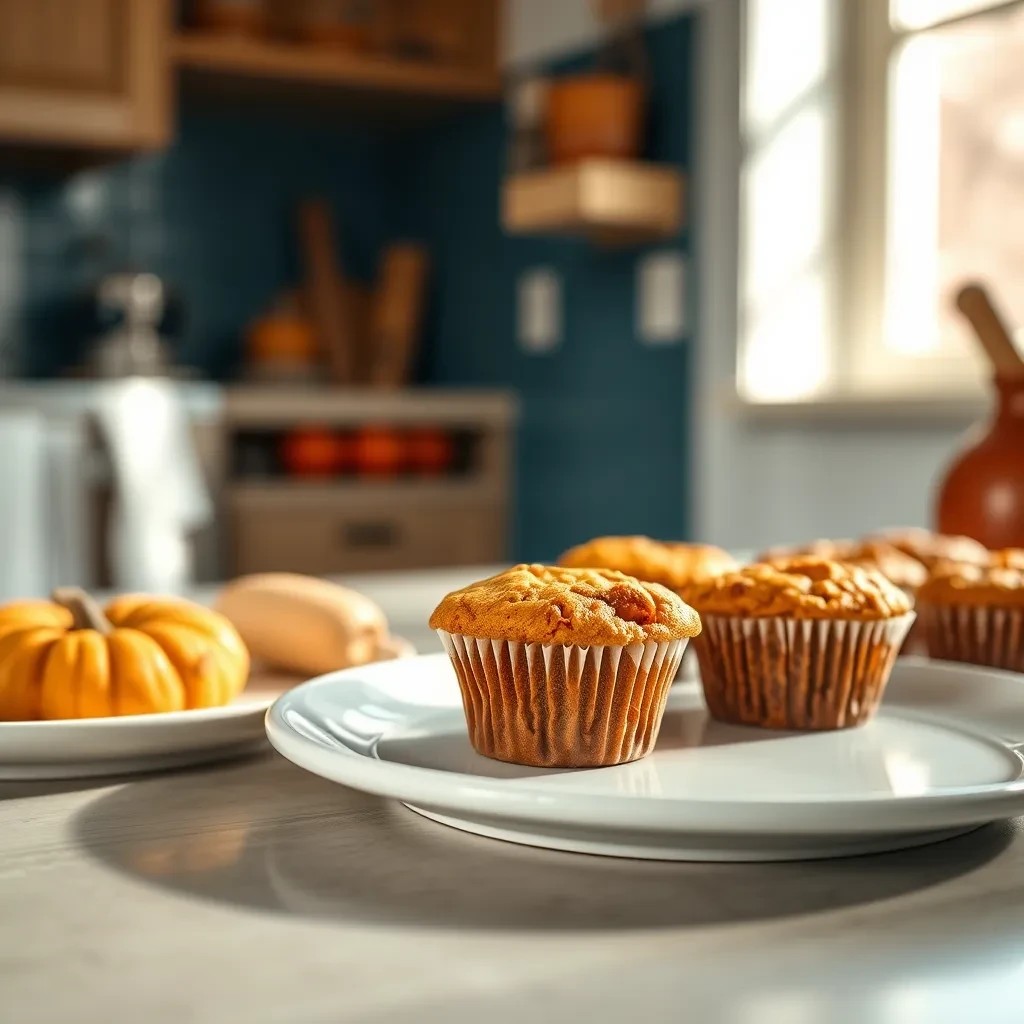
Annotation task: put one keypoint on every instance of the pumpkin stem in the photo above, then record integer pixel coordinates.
(85, 612)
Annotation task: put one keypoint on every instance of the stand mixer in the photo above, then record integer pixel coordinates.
(134, 347)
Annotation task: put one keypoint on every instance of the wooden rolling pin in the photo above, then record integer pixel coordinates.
(397, 314)
(976, 305)
(325, 290)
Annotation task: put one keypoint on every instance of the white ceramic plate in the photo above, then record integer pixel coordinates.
(939, 759)
(142, 743)
(80, 748)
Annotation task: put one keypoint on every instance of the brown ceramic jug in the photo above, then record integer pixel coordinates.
(982, 494)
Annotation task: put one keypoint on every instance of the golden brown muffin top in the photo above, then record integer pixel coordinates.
(895, 565)
(1007, 558)
(931, 548)
(807, 587)
(539, 604)
(670, 563)
(998, 584)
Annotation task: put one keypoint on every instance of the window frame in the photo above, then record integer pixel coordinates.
(874, 366)
(862, 364)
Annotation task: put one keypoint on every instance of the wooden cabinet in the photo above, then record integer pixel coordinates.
(454, 33)
(85, 73)
(421, 52)
(275, 522)
(324, 530)
(103, 74)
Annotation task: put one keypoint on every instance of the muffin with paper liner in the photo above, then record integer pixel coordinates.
(673, 564)
(807, 643)
(906, 571)
(974, 613)
(932, 549)
(564, 667)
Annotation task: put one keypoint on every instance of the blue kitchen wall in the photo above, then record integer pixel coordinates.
(602, 445)
(213, 215)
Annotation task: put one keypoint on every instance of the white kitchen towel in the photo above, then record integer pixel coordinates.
(23, 544)
(160, 497)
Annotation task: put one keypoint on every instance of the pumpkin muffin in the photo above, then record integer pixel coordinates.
(670, 563)
(801, 644)
(1008, 558)
(907, 572)
(562, 667)
(974, 613)
(932, 548)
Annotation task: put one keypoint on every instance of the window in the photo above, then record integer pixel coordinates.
(883, 148)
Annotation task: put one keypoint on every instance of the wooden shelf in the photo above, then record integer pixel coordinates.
(613, 202)
(268, 407)
(286, 493)
(254, 61)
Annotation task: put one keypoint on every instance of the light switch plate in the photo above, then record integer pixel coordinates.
(539, 311)
(661, 298)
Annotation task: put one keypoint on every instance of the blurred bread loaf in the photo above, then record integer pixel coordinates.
(303, 624)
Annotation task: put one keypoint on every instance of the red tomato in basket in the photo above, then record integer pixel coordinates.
(380, 451)
(313, 452)
(431, 451)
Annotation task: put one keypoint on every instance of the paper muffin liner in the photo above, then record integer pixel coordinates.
(979, 635)
(555, 706)
(785, 673)
(913, 642)
(688, 667)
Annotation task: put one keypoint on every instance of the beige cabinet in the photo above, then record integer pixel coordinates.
(324, 531)
(85, 73)
(350, 523)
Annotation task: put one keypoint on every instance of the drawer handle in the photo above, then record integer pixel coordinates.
(370, 534)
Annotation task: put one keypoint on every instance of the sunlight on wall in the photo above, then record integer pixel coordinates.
(787, 202)
(913, 245)
(798, 32)
(919, 13)
(785, 206)
(783, 357)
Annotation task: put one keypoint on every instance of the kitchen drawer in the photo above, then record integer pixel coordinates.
(334, 537)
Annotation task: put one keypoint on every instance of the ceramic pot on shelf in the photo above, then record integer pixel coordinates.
(594, 115)
(982, 492)
(601, 113)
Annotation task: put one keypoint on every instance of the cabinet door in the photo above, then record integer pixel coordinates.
(85, 73)
(309, 533)
(462, 33)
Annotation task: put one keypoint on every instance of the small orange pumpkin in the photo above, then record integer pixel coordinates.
(67, 659)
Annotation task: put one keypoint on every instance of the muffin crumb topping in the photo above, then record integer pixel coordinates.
(930, 549)
(1001, 582)
(554, 605)
(670, 563)
(896, 565)
(804, 588)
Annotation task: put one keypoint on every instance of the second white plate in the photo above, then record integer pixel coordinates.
(940, 758)
(81, 748)
(94, 747)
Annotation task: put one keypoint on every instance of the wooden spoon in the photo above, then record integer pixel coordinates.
(976, 305)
